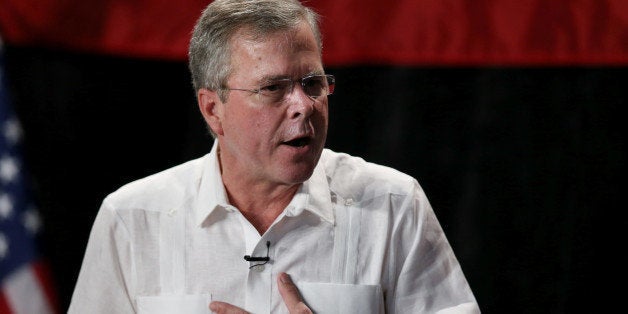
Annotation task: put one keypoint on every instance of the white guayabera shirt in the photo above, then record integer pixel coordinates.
(356, 238)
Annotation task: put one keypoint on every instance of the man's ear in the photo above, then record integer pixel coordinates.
(211, 108)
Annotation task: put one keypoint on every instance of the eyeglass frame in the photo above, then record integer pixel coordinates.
(329, 78)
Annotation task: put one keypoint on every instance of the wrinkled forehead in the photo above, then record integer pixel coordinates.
(298, 38)
(290, 52)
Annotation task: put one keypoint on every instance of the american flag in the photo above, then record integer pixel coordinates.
(25, 285)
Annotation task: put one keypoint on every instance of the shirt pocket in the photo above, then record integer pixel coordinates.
(324, 298)
(174, 304)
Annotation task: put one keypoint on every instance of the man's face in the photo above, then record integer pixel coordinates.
(277, 143)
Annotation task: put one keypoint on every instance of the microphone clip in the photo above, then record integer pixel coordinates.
(262, 259)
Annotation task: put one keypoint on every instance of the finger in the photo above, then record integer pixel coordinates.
(291, 296)
(225, 308)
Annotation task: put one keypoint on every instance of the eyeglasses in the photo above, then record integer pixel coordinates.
(274, 91)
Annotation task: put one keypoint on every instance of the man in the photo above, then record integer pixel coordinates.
(353, 236)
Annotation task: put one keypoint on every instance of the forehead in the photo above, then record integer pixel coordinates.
(251, 53)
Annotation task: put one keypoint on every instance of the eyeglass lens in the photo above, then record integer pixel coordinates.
(317, 85)
(313, 86)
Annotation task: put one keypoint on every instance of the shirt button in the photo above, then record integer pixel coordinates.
(349, 202)
(258, 268)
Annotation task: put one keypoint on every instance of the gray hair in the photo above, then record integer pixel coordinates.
(209, 53)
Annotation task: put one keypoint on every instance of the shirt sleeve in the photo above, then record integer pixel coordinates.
(104, 282)
(428, 277)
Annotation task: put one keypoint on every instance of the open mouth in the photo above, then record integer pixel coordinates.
(298, 142)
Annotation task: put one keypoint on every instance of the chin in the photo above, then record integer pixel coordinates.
(298, 174)
(298, 168)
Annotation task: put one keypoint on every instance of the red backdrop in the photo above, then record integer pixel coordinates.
(404, 32)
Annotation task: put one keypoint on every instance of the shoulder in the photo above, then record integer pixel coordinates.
(354, 177)
(160, 191)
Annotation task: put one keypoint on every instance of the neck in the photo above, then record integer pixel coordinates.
(260, 206)
(259, 201)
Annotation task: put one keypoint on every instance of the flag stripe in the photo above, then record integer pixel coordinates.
(44, 277)
(4, 304)
(21, 283)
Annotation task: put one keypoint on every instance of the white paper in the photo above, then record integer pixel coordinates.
(327, 298)
(174, 304)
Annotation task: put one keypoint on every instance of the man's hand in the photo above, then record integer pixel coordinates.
(225, 308)
(289, 294)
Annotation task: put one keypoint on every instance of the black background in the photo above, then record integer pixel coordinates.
(524, 166)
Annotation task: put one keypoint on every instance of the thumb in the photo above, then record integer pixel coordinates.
(225, 308)
(291, 296)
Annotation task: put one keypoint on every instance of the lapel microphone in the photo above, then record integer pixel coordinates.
(262, 259)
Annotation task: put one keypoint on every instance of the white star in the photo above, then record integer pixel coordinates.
(12, 130)
(9, 169)
(31, 220)
(6, 206)
(4, 246)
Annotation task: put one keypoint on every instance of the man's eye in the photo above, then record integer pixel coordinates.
(271, 88)
(313, 82)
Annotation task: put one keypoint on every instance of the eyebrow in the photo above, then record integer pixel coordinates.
(271, 78)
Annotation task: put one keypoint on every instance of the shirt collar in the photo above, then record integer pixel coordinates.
(313, 195)
(211, 191)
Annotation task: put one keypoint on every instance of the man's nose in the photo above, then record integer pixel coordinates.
(299, 103)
